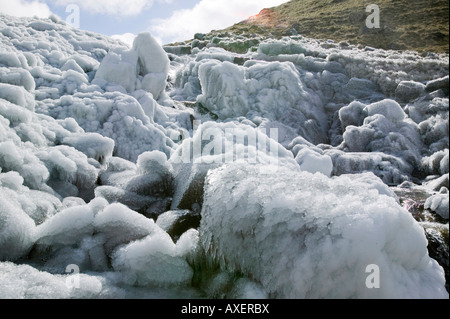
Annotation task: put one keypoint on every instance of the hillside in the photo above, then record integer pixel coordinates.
(418, 25)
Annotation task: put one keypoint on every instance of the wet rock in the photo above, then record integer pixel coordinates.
(177, 222)
(438, 249)
(438, 84)
(409, 90)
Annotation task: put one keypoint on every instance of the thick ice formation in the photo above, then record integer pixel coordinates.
(98, 141)
(439, 203)
(145, 66)
(317, 240)
(273, 90)
(214, 144)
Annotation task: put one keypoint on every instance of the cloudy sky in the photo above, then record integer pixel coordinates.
(168, 20)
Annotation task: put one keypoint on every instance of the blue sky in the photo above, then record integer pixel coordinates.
(168, 20)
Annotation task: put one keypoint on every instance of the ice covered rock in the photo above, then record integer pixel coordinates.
(386, 129)
(36, 204)
(154, 260)
(119, 67)
(17, 76)
(432, 118)
(437, 183)
(71, 173)
(146, 187)
(152, 57)
(318, 240)
(273, 90)
(214, 144)
(390, 109)
(352, 114)
(22, 160)
(93, 145)
(146, 66)
(439, 203)
(17, 95)
(153, 63)
(17, 230)
(71, 64)
(118, 225)
(312, 161)
(117, 116)
(177, 222)
(67, 227)
(26, 282)
(409, 90)
(391, 169)
(437, 163)
(438, 84)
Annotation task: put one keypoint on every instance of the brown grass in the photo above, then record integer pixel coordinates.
(419, 25)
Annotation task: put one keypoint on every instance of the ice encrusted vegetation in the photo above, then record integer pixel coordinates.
(107, 163)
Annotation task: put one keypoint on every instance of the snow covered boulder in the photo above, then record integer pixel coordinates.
(17, 76)
(439, 203)
(71, 172)
(409, 90)
(119, 225)
(145, 66)
(17, 230)
(156, 260)
(152, 57)
(438, 84)
(352, 114)
(146, 187)
(214, 144)
(313, 162)
(156, 175)
(26, 282)
(177, 222)
(385, 129)
(322, 239)
(273, 90)
(390, 109)
(93, 145)
(437, 163)
(38, 205)
(393, 170)
(67, 227)
(119, 67)
(21, 159)
(117, 116)
(153, 63)
(17, 95)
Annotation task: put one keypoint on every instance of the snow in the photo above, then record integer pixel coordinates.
(17, 231)
(119, 68)
(286, 150)
(152, 261)
(312, 233)
(439, 203)
(17, 95)
(66, 227)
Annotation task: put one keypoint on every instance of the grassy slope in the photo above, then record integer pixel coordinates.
(419, 25)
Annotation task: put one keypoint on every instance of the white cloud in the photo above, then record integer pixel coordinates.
(207, 15)
(112, 7)
(24, 8)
